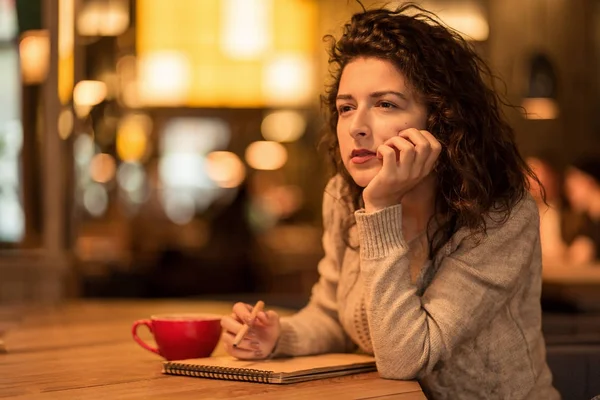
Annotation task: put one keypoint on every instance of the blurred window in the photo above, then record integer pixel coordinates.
(12, 219)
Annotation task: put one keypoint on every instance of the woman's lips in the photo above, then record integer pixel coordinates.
(361, 156)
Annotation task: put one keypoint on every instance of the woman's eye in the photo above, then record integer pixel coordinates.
(343, 109)
(386, 104)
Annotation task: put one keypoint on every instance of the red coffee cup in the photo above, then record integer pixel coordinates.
(181, 336)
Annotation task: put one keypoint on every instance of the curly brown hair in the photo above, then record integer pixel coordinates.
(480, 168)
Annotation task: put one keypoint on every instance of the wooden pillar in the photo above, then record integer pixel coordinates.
(53, 176)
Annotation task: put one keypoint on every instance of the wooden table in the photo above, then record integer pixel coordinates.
(84, 350)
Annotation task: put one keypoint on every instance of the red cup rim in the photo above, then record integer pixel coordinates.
(183, 317)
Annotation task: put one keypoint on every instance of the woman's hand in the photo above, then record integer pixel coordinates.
(407, 159)
(261, 338)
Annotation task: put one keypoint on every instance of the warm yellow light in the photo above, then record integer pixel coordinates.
(266, 155)
(467, 17)
(246, 28)
(89, 93)
(225, 168)
(82, 111)
(102, 167)
(103, 18)
(471, 25)
(285, 80)
(132, 137)
(34, 50)
(164, 78)
(66, 43)
(283, 126)
(295, 23)
(232, 49)
(540, 108)
(65, 123)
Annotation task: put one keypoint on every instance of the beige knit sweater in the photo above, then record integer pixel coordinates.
(468, 328)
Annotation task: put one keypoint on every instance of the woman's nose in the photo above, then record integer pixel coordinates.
(360, 126)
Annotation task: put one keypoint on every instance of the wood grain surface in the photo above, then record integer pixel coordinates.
(84, 350)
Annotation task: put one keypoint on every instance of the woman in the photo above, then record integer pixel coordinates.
(432, 249)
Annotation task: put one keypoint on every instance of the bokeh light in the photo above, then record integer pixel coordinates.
(286, 80)
(34, 50)
(132, 137)
(95, 199)
(225, 168)
(89, 93)
(266, 155)
(283, 126)
(65, 123)
(179, 207)
(102, 167)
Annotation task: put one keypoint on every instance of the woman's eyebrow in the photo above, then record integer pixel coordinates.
(386, 92)
(344, 97)
(374, 95)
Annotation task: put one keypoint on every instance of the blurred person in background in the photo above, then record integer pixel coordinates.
(582, 190)
(432, 241)
(546, 190)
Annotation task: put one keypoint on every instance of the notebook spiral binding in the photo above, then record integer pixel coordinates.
(236, 374)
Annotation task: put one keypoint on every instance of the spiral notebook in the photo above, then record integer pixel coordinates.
(277, 371)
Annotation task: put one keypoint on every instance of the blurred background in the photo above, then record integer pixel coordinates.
(155, 148)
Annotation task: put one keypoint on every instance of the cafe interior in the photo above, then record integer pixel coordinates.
(154, 149)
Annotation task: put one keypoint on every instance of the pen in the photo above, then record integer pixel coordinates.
(258, 307)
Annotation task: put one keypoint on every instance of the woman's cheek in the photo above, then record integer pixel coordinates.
(388, 129)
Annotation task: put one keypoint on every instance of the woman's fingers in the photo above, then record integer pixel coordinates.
(230, 323)
(243, 350)
(267, 318)
(406, 148)
(388, 157)
(260, 338)
(243, 312)
(422, 149)
(248, 349)
(436, 149)
(246, 343)
(406, 157)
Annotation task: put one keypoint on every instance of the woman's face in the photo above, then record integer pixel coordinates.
(374, 103)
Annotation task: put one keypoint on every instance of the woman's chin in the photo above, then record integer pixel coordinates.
(362, 180)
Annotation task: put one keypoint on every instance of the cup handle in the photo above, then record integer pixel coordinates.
(139, 341)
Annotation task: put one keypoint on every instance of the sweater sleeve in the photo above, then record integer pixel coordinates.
(411, 334)
(316, 328)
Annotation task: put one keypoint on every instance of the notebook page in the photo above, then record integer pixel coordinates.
(335, 361)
